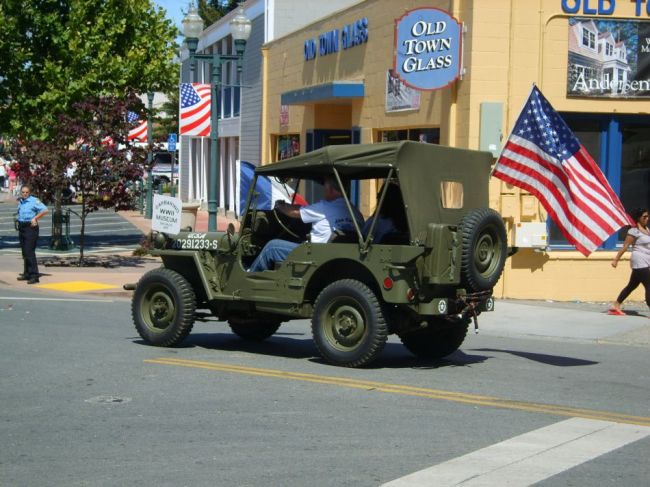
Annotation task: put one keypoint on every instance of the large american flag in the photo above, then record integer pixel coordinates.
(195, 109)
(139, 131)
(544, 157)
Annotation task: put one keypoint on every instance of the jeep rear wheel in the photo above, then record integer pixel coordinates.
(163, 307)
(435, 342)
(253, 329)
(348, 325)
(483, 249)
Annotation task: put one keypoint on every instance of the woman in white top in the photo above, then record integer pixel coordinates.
(638, 238)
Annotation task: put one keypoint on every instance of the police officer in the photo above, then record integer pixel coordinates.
(30, 210)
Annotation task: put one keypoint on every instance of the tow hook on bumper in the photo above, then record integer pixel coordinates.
(472, 304)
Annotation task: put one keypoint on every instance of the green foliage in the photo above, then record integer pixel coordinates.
(168, 123)
(89, 150)
(212, 10)
(54, 53)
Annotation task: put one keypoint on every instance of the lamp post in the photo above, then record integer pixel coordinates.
(149, 211)
(240, 29)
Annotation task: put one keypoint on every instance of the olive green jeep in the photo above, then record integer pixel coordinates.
(425, 282)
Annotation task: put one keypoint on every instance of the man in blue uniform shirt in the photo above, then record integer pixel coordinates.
(30, 210)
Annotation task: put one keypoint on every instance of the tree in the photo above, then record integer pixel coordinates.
(92, 153)
(212, 10)
(168, 124)
(55, 53)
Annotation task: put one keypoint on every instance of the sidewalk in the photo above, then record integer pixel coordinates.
(144, 225)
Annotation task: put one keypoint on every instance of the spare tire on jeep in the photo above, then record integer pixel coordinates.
(483, 249)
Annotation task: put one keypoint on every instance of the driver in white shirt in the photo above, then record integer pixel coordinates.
(326, 216)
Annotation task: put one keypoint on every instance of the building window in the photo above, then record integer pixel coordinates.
(229, 91)
(287, 146)
(588, 39)
(429, 135)
(620, 145)
(609, 49)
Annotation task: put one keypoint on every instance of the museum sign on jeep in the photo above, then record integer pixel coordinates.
(422, 267)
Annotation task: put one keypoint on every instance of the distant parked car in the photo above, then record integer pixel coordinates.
(162, 169)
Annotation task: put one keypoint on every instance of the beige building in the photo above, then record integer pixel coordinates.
(321, 88)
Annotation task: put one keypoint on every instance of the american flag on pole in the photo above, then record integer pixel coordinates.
(195, 109)
(544, 157)
(138, 132)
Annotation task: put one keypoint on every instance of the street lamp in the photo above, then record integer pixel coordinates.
(149, 211)
(240, 29)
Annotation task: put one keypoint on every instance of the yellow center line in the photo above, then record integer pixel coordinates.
(437, 394)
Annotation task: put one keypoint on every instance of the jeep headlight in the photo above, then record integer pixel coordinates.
(158, 240)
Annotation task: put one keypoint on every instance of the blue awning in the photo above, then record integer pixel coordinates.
(337, 90)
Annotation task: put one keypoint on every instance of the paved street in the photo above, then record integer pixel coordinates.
(561, 399)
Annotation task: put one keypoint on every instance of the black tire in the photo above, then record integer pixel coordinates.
(163, 307)
(253, 329)
(348, 325)
(483, 249)
(435, 342)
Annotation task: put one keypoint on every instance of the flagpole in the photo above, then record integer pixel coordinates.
(508, 138)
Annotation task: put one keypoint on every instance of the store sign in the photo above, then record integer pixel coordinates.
(329, 42)
(284, 115)
(166, 216)
(601, 7)
(608, 58)
(427, 48)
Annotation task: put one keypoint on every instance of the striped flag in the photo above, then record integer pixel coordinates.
(139, 131)
(268, 189)
(195, 109)
(544, 157)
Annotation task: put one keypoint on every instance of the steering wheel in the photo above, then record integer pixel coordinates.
(283, 225)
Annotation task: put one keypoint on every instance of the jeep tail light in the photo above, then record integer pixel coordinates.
(388, 283)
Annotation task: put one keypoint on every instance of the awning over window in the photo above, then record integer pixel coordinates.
(337, 90)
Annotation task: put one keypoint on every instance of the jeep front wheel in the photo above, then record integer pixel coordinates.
(348, 325)
(163, 307)
(434, 342)
(253, 329)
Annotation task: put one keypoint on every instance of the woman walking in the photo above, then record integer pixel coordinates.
(638, 239)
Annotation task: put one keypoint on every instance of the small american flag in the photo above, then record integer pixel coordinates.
(195, 109)
(544, 157)
(138, 132)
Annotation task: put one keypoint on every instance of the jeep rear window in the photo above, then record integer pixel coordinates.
(451, 193)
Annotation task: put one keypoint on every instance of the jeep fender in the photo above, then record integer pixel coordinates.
(401, 279)
(192, 265)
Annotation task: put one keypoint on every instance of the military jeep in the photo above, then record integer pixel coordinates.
(425, 283)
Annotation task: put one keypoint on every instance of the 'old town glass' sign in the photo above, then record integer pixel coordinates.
(427, 48)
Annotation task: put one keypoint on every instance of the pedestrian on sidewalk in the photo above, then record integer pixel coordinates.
(29, 211)
(638, 239)
(12, 179)
(3, 173)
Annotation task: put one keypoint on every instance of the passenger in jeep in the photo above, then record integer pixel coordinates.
(326, 216)
(391, 219)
